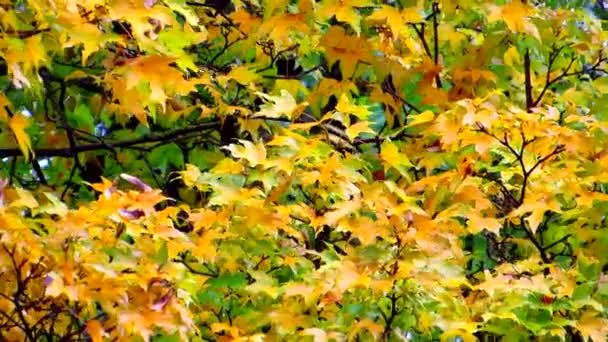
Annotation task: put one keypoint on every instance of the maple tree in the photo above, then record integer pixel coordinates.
(285, 170)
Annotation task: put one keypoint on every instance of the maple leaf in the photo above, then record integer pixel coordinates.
(18, 123)
(241, 74)
(331, 218)
(282, 30)
(368, 326)
(515, 14)
(422, 118)
(392, 157)
(344, 11)
(24, 57)
(156, 73)
(477, 224)
(326, 88)
(512, 57)
(347, 49)
(254, 154)
(263, 283)
(363, 228)
(355, 130)
(281, 105)
(345, 106)
(396, 19)
(95, 330)
(537, 205)
(308, 292)
(78, 31)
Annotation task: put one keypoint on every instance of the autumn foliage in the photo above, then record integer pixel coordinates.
(265, 170)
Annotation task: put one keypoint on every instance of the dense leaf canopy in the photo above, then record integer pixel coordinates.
(322, 170)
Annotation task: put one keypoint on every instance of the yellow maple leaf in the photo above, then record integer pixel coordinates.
(345, 11)
(366, 325)
(422, 118)
(326, 88)
(24, 56)
(348, 49)
(537, 204)
(248, 22)
(363, 228)
(448, 33)
(392, 157)
(309, 293)
(353, 131)
(512, 57)
(229, 167)
(264, 283)
(77, 31)
(155, 71)
(330, 218)
(347, 107)
(242, 74)
(477, 223)
(281, 28)
(268, 220)
(515, 14)
(254, 154)
(283, 104)
(24, 198)
(592, 325)
(18, 123)
(397, 20)
(138, 15)
(206, 249)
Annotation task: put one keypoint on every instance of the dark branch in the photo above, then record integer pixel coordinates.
(436, 42)
(166, 137)
(557, 242)
(528, 81)
(25, 33)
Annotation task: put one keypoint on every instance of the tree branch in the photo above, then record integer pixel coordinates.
(557, 242)
(25, 33)
(558, 149)
(218, 10)
(528, 82)
(436, 42)
(166, 137)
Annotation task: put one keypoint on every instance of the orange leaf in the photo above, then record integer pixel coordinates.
(95, 330)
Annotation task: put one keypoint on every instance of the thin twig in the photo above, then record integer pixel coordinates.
(275, 57)
(292, 77)
(218, 11)
(557, 242)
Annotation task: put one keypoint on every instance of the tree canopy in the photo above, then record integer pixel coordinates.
(333, 170)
